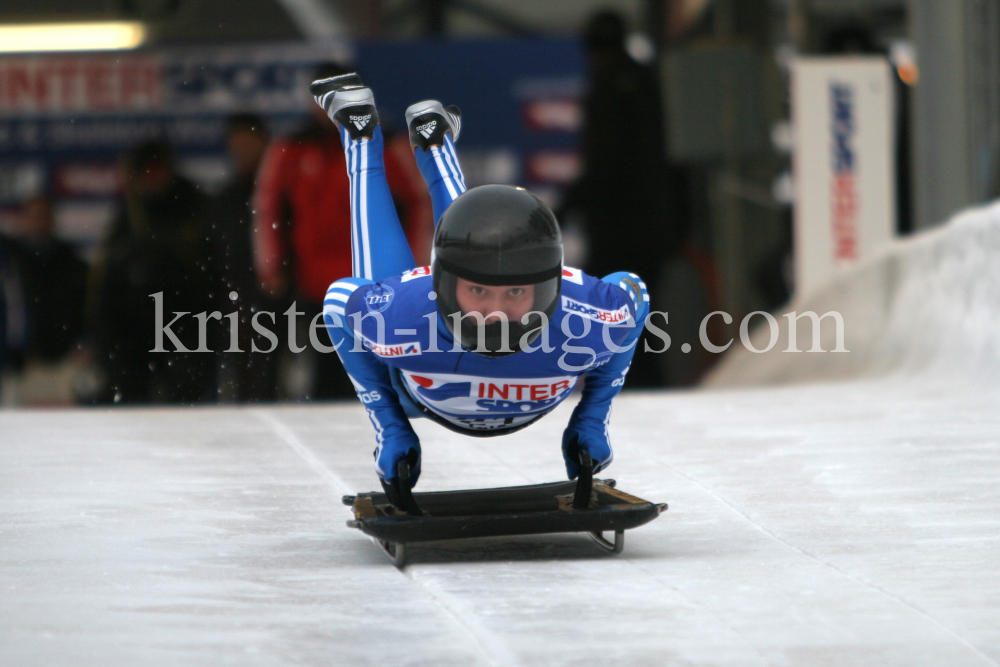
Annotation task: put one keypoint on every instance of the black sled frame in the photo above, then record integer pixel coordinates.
(592, 506)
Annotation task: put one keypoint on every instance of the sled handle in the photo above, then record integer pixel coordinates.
(407, 502)
(584, 482)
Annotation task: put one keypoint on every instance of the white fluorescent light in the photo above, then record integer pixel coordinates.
(35, 37)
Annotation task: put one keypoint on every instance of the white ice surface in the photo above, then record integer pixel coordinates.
(839, 524)
(852, 523)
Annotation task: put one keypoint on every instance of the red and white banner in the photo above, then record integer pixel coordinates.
(42, 85)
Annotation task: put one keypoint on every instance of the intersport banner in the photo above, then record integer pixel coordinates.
(65, 119)
(844, 165)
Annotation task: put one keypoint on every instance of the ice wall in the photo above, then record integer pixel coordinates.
(928, 307)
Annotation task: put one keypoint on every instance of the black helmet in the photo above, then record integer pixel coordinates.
(498, 235)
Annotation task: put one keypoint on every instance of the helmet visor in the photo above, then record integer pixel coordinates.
(496, 320)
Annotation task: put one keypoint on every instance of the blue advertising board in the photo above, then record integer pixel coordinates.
(66, 119)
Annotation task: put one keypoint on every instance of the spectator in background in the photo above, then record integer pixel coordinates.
(11, 312)
(303, 226)
(54, 281)
(625, 193)
(45, 286)
(245, 375)
(157, 243)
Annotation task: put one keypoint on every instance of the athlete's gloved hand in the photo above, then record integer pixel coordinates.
(393, 450)
(388, 457)
(589, 435)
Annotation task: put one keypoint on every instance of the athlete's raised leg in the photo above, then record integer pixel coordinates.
(378, 244)
(433, 133)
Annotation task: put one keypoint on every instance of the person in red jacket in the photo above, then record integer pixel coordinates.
(302, 224)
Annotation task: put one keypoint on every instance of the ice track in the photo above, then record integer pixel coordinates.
(847, 523)
(840, 524)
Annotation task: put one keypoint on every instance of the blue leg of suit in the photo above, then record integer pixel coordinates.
(439, 166)
(378, 244)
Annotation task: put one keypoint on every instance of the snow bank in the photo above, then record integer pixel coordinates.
(928, 306)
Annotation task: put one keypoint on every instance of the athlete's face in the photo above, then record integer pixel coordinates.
(514, 301)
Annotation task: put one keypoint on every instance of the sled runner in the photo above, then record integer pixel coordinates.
(592, 506)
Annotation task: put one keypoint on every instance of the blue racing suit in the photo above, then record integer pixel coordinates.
(404, 363)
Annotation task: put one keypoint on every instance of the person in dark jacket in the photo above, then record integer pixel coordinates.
(157, 246)
(7, 286)
(625, 194)
(244, 375)
(50, 278)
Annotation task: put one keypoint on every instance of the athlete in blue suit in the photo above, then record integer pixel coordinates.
(492, 336)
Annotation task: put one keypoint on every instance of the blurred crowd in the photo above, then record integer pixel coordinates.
(269, 243)
(272, 239)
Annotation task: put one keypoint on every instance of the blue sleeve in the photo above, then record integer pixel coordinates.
(603, 383)
(370, 376)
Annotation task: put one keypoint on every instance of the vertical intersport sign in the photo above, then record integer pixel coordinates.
(844, 164)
